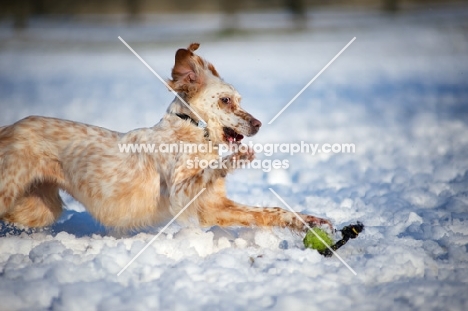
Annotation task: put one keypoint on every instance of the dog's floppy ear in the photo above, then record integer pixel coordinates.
(186, 76)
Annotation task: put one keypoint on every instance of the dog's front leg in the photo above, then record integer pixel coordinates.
(225, 212)
(213, 208)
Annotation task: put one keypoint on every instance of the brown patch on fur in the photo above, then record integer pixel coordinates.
(213, 70)
(199, 60)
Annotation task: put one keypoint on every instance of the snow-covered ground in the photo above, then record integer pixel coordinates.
(399, 93)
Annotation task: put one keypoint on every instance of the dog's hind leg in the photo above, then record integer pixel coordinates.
(29, 189)
(40, 206)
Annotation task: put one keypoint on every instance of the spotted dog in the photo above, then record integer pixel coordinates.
(131, 190)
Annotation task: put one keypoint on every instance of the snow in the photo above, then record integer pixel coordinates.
(399, 93)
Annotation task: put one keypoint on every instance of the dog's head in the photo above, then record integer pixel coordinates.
(214, 100)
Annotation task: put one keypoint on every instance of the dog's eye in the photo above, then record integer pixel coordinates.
(226, 100)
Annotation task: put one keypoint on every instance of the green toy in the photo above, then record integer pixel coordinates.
(318, 239)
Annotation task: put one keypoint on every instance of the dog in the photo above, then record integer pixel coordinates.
(132, 190)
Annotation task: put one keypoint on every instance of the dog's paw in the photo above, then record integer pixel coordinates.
(313, 221)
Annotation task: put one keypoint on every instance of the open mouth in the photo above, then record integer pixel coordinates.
(232, 136)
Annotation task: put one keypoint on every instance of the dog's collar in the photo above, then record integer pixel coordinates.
(200, 124)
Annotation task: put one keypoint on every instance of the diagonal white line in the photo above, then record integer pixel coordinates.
(162, 230)
(311, 81)
(307, 225)
(162, 80)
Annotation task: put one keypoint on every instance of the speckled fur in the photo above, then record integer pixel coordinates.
(40, 155)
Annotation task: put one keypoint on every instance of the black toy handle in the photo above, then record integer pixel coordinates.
(348, 232)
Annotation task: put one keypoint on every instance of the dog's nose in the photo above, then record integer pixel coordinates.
(255, 123)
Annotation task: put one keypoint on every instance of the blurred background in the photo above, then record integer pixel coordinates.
(21, 14)
(22, 11)
(23, 8)
(63, 58)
